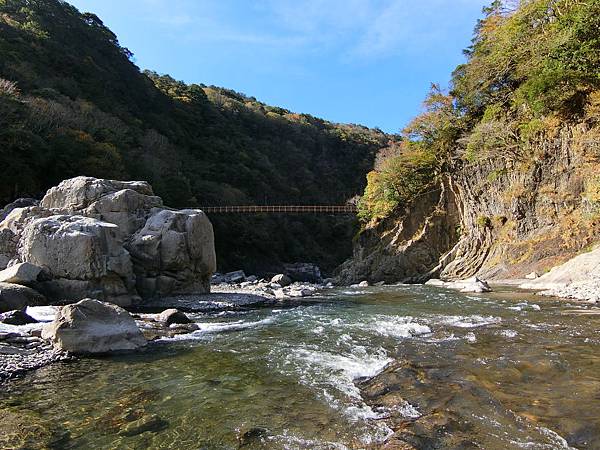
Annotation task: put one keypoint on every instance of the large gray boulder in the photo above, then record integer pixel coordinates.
(14, 296)
(25, 274)
(82, 234)
(11, 229)
(124, 203)
(303, 272)
(92, 326)
(18, 203)
(83, 255)
(174, 253)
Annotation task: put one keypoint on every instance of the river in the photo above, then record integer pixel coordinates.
(506, 369)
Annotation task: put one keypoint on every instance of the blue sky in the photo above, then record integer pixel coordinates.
(354, 61)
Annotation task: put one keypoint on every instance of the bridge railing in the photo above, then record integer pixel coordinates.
(286, 209)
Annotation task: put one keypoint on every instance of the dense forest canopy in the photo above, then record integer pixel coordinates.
(73, 103)
(533, 69)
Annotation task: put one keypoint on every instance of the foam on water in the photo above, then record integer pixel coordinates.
(42, 313)
(394, 326)
(474, 321)
(209, 328)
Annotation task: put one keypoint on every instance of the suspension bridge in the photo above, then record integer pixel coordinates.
(281, 209)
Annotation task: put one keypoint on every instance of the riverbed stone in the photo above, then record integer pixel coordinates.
(15, 296)
(303, 272)
(173, 316)
(236, 276)
(21, 273)
(282, 280)
(92, 326)
(17, 317)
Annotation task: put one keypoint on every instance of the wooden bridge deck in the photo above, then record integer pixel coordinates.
(286, 209)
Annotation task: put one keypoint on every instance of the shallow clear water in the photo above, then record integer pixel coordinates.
(516, 370)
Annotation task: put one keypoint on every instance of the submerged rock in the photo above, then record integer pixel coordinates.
(92, 326)
(152, 423)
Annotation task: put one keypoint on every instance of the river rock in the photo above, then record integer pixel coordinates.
(473, 284)
(22, 273)
(532, 276)
(173, 316)
(86, 229)
(92, 326)
(124, 203)
(17, 317)
(85, 254)
(469, 285)
(147, 423)
(304, 272)
(363, 284)
(174, 253)
(16, 297)
(235, 277)
(282, 280)
(18, 203)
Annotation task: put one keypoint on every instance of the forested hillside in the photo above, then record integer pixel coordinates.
(507, 161)
(72, 103)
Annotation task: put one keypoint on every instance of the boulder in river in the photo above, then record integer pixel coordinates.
(92, 326)
(304, 272)
(236, 276)
(15, 296)
(282, 280)
(17, 317)
(21, 273)
(174, 253)
(473, 285)
(112, 240)
(173, 316)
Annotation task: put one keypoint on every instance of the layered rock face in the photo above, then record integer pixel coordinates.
(496, 219)
(408, 248)
(111, 240)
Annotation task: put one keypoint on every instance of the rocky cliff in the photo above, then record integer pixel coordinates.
(499, 175)
(497, 219)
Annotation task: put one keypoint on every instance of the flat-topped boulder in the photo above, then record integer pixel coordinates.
(92, 326)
